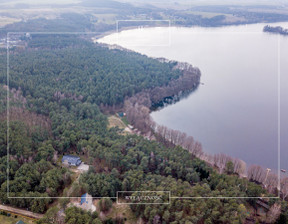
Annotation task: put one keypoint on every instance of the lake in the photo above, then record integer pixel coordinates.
(241, 108)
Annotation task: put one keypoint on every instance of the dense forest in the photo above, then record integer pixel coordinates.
(68, 73)
(56, 93)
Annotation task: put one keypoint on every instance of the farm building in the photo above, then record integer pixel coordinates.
(71, 160)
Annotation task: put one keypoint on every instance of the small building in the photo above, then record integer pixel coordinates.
(121, 114)
(71, 160)
(86, 202)
(85, 198)
(262, 207)
(20, 222)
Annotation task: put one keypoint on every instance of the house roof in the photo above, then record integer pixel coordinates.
(263, 203)
(121, 114)
(71, 159)
(20, 222)
(83, 198)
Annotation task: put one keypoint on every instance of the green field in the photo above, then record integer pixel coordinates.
(12, 220)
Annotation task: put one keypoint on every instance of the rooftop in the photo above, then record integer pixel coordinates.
(71, 159)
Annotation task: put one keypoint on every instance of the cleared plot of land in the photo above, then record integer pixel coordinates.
(116, 122)
(12, 220)
(117, 210)
(122, 211)
(83, 167)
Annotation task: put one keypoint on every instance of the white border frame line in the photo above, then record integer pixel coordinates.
(279, 114)
(88, 33)
(8, 102)
(8, 117)
(169, 193)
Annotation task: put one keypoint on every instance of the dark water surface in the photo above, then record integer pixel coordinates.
(245, 76)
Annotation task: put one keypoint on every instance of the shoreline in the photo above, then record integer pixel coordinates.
(209, 159)
(172, 100)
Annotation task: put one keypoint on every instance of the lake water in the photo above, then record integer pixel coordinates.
(241, 108)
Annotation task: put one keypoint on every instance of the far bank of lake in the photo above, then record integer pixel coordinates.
(241, 108)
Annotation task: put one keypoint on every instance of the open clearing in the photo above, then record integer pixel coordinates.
(116, 122)
(12, 220)
(117, 210)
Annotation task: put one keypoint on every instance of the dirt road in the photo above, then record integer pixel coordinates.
(21, 212)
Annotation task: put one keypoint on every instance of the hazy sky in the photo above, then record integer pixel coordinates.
(204, 2)
(39, 2)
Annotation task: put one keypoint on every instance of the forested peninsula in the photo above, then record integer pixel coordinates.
(277, 29)
(59, 97)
